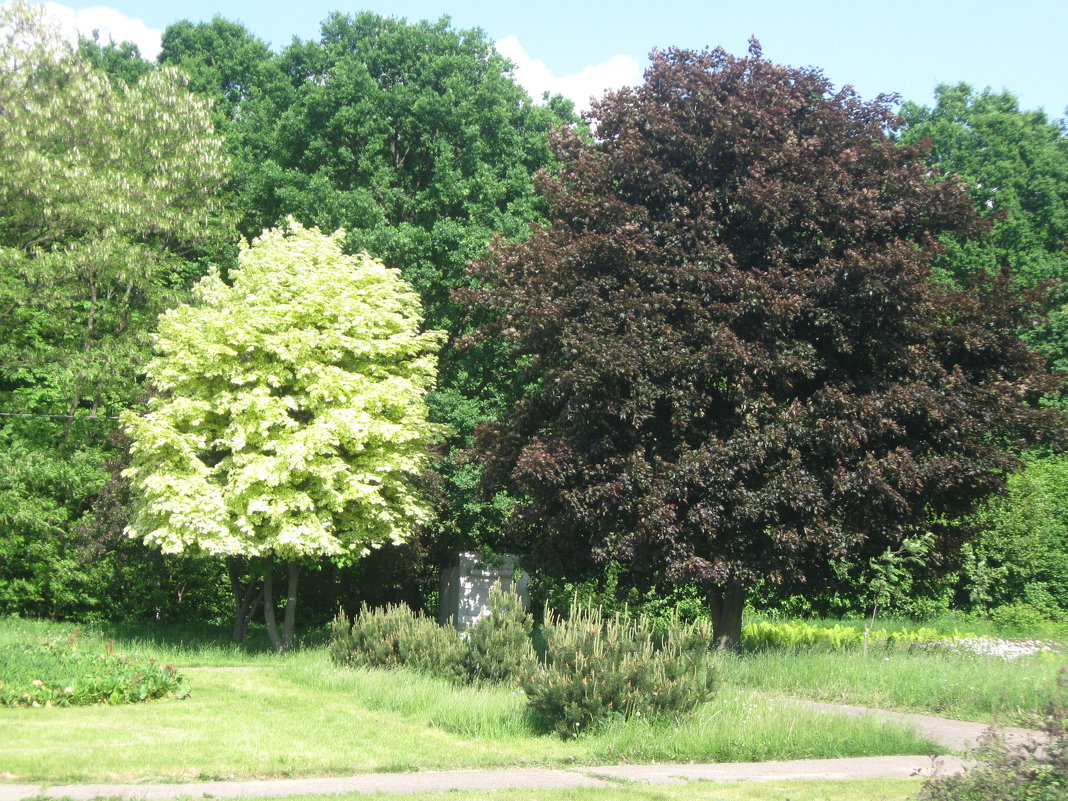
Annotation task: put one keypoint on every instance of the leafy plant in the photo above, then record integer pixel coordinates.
(59, 674)
(1021, 556)
(798, 634)
(705, 394)
(421, 145)
(291, 418)
(112, 200)
(597, 668)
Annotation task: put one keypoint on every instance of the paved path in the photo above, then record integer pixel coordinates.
(953, 734)
(956, 735)
(527, 778)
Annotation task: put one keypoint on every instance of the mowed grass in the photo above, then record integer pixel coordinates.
(960, 686)
(736, 726)
(299, 715)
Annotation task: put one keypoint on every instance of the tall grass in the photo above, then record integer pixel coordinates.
(740, 726)
(487, 711)
(962, 686)
(736, 726)
(187, 646)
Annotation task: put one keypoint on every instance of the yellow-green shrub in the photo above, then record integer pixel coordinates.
(798, 634)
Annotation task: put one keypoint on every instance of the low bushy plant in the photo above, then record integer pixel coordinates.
(498, 647)
(597, 668)
(1019, 616)
(1028, 771)
(395, 636)
(60, 674)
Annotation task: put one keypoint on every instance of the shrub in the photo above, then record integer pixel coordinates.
(1019, 616)
(395, 636)
(798, 634)
(498, 647)
(1029, 771)
(598, 668)
(58, 674)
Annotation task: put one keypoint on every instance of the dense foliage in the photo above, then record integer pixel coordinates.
(61, 674)
(497, 648)
(1021, 557)
(290, 418)
(1015, 164)
(393, 636)
(738, 365)
(415, 139)
(592, 668)
(708, 416)
(110, 199)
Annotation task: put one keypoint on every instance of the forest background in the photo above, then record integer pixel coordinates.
(416, 139)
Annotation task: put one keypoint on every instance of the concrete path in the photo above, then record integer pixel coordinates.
(953, 734)
(956, 735)
(511, 779)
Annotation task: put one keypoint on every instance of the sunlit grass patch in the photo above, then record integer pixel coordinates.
(306, 717)
(956, 685)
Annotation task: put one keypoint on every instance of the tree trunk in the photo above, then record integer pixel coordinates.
(247, 595)
(268, 608)
(727, 602)
(291, 606)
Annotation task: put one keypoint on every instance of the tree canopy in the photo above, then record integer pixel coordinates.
(1015, 163)
(415, 138)
(738, 364)
(110, 199)
(291, 417)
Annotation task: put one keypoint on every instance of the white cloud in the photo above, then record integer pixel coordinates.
(110, 23)
(593, 81)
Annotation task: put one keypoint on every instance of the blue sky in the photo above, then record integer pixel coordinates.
(906, 46)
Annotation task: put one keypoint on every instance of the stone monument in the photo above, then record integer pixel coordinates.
(466, 584)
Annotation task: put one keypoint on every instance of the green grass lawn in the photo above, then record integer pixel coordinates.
(299, 715)
(305, 717)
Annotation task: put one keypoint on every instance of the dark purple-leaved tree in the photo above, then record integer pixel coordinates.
(738, 364)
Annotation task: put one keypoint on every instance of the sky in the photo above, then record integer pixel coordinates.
(583, 47)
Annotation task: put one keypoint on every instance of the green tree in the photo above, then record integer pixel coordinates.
(108, 199)
(118, 60)
(414, 137)
(738, 366)
(227, 63)
(1023, 547)
(291, 418)
(1015, 163)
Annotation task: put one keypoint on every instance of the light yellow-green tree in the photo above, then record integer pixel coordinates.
(290, 421)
